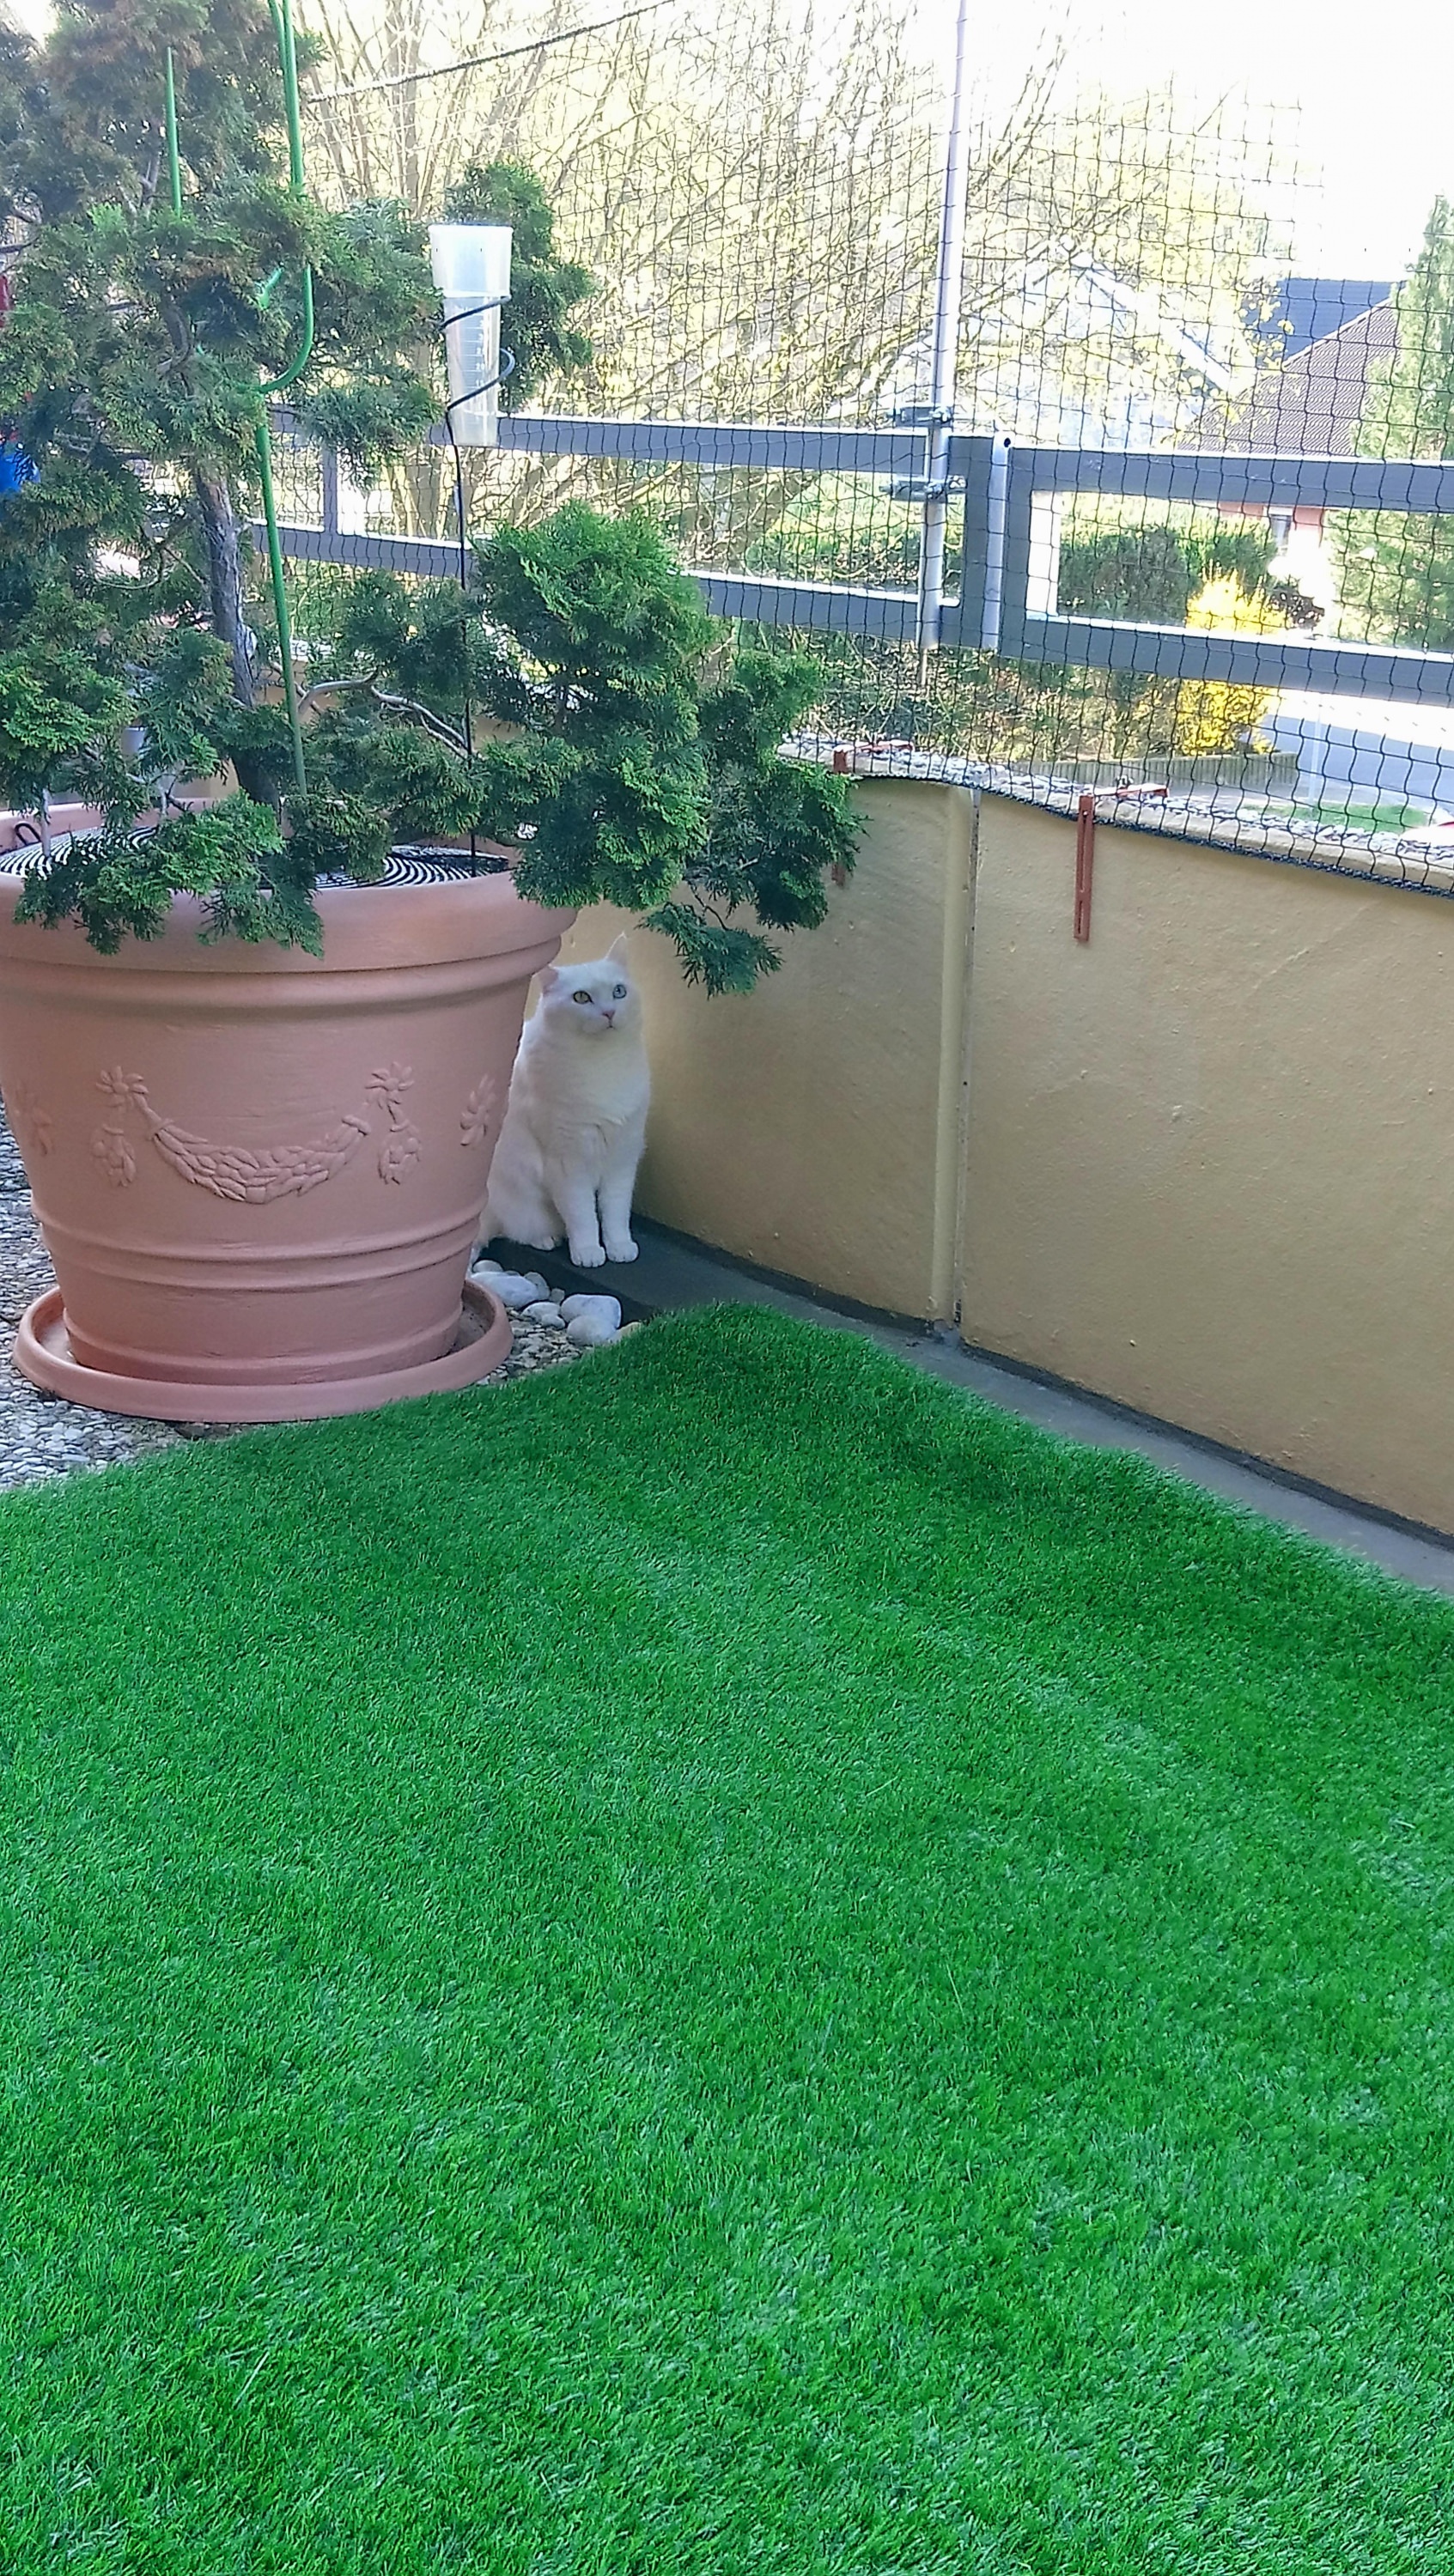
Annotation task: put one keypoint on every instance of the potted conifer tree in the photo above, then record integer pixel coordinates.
(256, 1083)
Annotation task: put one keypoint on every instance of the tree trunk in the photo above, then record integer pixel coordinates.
(224, 568)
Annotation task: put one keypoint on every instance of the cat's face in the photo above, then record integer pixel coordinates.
(596, 999)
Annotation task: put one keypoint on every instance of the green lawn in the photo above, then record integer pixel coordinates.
(725, 1962)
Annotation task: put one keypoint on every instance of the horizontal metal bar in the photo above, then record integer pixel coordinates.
(739, 444)
(1317, 482)
(1266, 662)
(844, 609)
(840, 606)
(720, 443)
(429, 555)
(1031, 632)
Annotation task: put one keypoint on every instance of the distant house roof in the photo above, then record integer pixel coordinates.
(1299, 310)
(1312, 403)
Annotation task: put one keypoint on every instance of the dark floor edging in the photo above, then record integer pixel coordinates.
(642, 1293)
(567, 1281)
(1247, 1459)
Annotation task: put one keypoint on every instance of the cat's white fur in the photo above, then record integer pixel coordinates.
(575, 1124)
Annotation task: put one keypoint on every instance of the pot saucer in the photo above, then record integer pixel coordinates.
(43, 1354)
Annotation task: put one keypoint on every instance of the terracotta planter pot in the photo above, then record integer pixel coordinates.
(259, 1174)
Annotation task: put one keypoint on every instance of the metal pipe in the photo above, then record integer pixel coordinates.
(462, 524)
(948, 292)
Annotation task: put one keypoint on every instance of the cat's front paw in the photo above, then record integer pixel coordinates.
(621, 1247)
(587, 1256)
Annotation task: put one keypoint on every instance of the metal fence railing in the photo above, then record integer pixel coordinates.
(1001, 667)
(1015, 553)
(1013, 409)
(1006, 598)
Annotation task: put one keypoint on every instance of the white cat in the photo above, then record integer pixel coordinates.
(575, 1124)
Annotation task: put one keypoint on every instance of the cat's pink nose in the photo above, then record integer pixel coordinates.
(609, 1018)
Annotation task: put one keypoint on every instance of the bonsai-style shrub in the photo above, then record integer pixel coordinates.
(631, 763)
(613, 737)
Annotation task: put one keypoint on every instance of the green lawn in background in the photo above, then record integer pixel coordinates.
(721, 1961)
(1335, 812)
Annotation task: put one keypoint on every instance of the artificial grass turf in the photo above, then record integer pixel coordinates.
(720, 1961)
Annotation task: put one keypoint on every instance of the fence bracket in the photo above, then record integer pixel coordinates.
(1085, 855)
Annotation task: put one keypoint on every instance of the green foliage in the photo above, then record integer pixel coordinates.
(544, 290)
(369, 422)
(1151, 573)
(82, 117)
(183, 703)
(53, 703)
(776, 826)
(116, 885)
(599, 607)
(331, 834)
(129, 610)
(610, 750)
(718, 954)
(600, 640)
(1398, 571)
(677, 795)
(129, 373)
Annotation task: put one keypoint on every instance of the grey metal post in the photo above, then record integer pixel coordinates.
(948, 291)
(994, 543)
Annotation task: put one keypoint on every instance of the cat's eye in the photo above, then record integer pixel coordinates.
(619, 994)
(581, 997)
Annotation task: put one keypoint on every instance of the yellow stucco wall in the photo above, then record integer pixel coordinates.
(1211, 1154)
(814, 1126)
(1204, 1165)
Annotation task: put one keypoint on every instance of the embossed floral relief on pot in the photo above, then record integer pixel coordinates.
(479, 1109)
(31, 1125)
(256, 1175)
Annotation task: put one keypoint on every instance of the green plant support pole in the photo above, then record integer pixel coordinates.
(264, 442)
(174, 159)
(281, 13)
(282, 17)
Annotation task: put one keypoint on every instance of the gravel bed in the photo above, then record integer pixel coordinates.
(42, 1436)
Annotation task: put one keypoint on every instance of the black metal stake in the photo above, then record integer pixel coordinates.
(507, 368)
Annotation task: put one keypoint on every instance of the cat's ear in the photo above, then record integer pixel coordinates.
(618, 948)
(549, 978)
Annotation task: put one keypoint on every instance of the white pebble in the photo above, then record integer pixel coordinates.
(544, 1311)
(541, 1286)
(513, 1291)
(486, 1270)
(592, 1332)
(608, 1308)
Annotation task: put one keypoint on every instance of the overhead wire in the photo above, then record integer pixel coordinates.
(479, 62)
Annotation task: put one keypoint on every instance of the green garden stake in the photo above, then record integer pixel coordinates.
(174, 163)
(281, 12)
